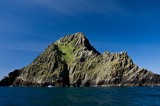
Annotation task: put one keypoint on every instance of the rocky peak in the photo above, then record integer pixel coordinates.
(76, 41)
(78, 37)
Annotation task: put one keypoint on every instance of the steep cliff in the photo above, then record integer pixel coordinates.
(72, 61)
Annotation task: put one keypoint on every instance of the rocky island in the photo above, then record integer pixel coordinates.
(73, 62)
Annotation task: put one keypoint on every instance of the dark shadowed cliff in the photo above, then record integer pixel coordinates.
(72, 61)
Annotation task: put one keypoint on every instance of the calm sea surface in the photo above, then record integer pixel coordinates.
(110, 96)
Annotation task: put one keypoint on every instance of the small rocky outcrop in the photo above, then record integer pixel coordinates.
(72, 61)
(9, 80)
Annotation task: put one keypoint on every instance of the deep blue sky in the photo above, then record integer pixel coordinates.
(27, 27)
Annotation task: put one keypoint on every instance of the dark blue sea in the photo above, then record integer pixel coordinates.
(109, 96)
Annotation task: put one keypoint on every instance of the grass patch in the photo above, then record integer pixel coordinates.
(67, 51)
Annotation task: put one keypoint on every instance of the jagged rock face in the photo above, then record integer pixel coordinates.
(72, 61)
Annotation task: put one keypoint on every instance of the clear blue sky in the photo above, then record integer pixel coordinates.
(27, 27)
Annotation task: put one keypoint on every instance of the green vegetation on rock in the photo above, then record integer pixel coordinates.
(66, 50)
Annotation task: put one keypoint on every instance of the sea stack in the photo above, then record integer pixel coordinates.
(73, 62)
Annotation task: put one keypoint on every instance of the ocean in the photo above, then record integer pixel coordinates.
(109, 96)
